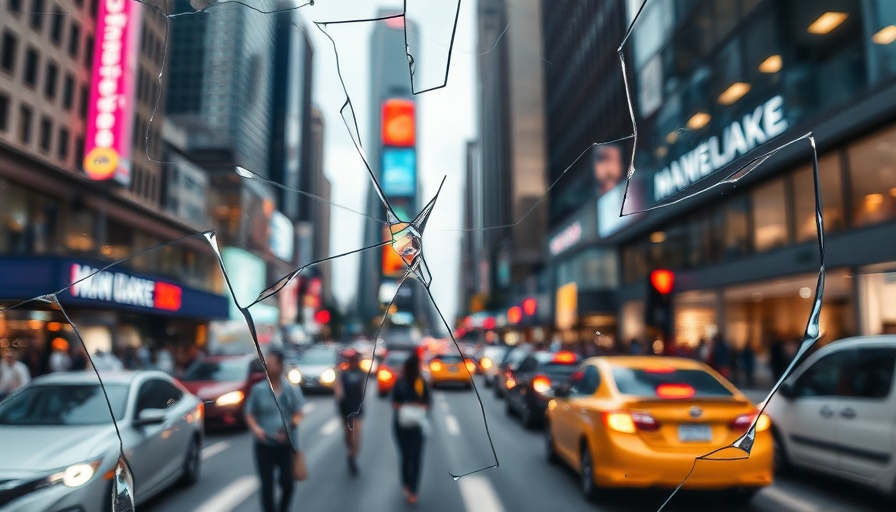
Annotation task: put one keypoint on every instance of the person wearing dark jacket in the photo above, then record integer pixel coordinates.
(410, 391)
(349, 390)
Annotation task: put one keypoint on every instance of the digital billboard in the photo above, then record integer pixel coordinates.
(398, 125)
(107, 145)
(399, 178)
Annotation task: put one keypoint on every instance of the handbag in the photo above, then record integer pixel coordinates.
(410, 416)
(299, 467)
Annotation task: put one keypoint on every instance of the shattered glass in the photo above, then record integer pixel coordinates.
(430, 29)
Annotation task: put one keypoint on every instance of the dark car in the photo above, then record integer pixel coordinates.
(534, 381)
(508, 365)
(223, 384)
(489, 360)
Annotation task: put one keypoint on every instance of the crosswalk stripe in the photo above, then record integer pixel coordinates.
(231, 496)
(452, 425)
(214, 449)
(479, 495)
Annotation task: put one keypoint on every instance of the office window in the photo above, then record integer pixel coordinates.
(25, 114)
(46, 135)
(74, 39)
(831, 198)
(872, 178)
(769, 218)
(62, 143)
(85, 98)
(68, 92)
(88, 51)
(37, 15)
(32, 60)
(50, 80)
(732, 227)
(4, 112)
(15, 6)
(8, 58)
(56, 25)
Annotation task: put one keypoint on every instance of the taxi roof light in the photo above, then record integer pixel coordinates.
(565, 357)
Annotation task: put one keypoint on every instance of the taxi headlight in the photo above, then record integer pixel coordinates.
(294, 376)
(75, 475)
(232, 398)
(328, 377)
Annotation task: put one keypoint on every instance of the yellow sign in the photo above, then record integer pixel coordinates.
(567, 306)
(101, 163)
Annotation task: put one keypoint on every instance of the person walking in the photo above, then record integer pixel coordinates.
(13, 373)
(349, 391)
(410, 401)
(274, 441)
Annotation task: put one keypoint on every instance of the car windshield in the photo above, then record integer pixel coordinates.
(449, 358)
(219, 371)
(317, 357)
(668, 383)
(395, 359)
(64, 405)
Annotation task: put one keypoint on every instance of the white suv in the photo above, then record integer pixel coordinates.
(837, 413)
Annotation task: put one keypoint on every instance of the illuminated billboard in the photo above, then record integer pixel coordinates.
(398, 125)
(399, 178)
(107, 146)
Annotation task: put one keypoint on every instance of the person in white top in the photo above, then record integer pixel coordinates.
(13, 373)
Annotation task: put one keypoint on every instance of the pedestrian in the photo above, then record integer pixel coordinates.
(748, 364)
(13, 373)
(410, 401)
(721, 356)
(275, 436)
(59, 359)
(349, 391)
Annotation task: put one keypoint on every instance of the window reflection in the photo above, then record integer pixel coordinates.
(769, 220)
(872, 168)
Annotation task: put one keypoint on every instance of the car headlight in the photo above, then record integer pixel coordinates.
(294, 376)
(75, 475)
(232, 398)
(328, 377)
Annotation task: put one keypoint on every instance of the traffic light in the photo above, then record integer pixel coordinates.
(658, 309)
(322, 316)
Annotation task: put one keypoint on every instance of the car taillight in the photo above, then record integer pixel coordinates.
(743, 422)
(384, 375)
(541, 384)
(629, 422)
(471, 366)
(509, 381)
(435, 366)
(485, 363)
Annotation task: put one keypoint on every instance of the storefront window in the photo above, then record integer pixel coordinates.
(119, 240)
(734, 230)
(831, 198)
(769, 218)
(79, 233)
(872, 171)
(14, 217)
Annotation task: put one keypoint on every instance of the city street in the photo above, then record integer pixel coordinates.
(523, 482)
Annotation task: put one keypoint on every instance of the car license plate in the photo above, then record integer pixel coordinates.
(453, 368)
(694, 433)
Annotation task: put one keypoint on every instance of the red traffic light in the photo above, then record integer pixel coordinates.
(514, 315)
(662, 280)
(529, 306)
(398, 124)
(322, 317)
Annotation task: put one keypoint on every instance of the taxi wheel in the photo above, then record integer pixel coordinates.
(781, 462)
(192, 464)
(549, 445)
(586, 473)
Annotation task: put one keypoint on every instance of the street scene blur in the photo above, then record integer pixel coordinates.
(481, 255)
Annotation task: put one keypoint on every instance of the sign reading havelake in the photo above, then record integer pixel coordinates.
(107, 144)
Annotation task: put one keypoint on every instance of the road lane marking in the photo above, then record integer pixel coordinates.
(479, 495)
(232, 496)
(309, 408)
(444, 407)
(330, 427)
(214, 449)
(787, 500)
(452, 425)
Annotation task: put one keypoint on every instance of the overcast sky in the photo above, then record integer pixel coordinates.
(446, 120)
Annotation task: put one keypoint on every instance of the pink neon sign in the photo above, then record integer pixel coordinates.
(107, 147)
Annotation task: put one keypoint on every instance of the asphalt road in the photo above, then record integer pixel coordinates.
(524, 481)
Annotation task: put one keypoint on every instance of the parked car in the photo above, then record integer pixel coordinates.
(314, 369)
(489, 361)
(511, 360)
(534, 382)
(837, 413)
(60, 449)
(223, 384)
(640, 422)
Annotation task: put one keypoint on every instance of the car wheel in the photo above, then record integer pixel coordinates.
(586, 474)
(508, 408)
(549, 449)
(192, 464)
(781, 462)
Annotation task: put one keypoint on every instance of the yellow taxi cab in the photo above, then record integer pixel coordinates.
(451, 369)
(639, 422)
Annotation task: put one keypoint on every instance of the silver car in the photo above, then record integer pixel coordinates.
(60, 450)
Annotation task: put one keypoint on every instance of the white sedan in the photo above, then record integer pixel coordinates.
(837, 413)
(60, 449)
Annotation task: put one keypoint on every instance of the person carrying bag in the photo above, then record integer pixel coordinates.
(410, 401)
